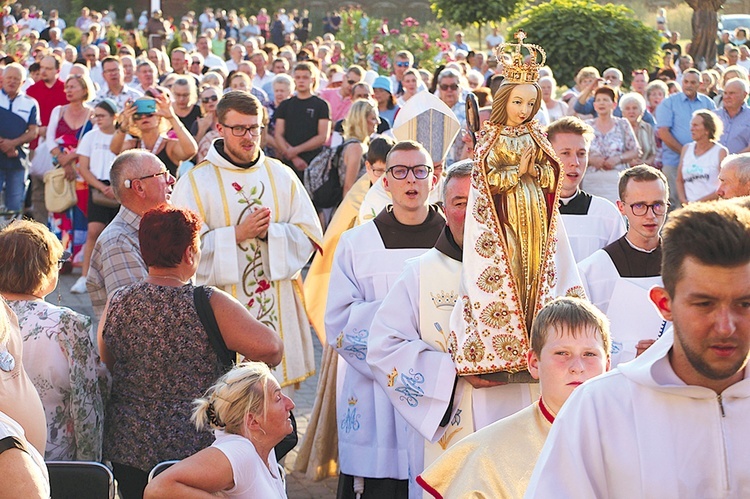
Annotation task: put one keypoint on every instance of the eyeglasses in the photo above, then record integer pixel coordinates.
(240, 131)
(206, 100)
(63, 258)
(138, 117)
(403, 64)
(352, 82)
(444, 86)
(400, 172)
(163, 172)
(640, 209)
(195, 62)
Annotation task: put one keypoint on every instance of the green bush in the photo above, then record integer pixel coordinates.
(72, 35)
(578, 33)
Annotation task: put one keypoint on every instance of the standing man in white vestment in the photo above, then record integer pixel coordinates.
(259, 230)
(672, 423)
(618, 277)
(408, 347)
(368, 260)
(591, 222)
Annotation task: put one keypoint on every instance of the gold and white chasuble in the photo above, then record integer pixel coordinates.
(263, 275)
(513, 265)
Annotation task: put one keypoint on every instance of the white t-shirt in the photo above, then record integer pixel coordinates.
(95, 146)
(252, 478)
(10, 428)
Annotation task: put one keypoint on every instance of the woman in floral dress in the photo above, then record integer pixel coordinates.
(58, 350)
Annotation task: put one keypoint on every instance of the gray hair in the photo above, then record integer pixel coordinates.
(460, 169)
(128, 165)
(449, 73)
(633, 97)
(743, 83)
(741, 163)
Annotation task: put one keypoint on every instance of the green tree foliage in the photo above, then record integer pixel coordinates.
(578, 33)
(465, 13)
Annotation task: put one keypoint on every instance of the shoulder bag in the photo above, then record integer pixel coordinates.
(227, 358)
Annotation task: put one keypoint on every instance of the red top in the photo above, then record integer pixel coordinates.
(48, 99)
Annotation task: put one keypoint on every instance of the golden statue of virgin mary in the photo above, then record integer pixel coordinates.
(511, 237)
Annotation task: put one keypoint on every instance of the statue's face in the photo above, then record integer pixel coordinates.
(521, 104)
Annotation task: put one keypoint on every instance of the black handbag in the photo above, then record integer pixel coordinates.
(227, 359)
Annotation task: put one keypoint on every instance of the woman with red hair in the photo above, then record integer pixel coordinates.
(160, 355)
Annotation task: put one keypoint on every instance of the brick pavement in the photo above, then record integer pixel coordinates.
(298, 487)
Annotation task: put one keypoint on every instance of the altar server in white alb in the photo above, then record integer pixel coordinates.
(368, 261)
(259, 230)
(408, 347)
(673, 422)
(618, 277)
(591, 222)
(427, 120)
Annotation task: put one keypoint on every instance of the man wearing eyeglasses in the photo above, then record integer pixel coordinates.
(260, 228)
(368, 261)
(115, 87)
(140, 182)
(340, 99)
(618, 277)
(451, 92)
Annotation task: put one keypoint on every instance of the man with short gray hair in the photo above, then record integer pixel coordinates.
(140, 182)
(735, 114)
(452, 94)
(734, 177)
(19, 123)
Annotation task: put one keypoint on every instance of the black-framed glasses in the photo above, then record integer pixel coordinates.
(63, 258)
(240, 131)
(206, 100)
(400, 172)
(640, 209)
(137, 117)
(352, 82)
(444, 86)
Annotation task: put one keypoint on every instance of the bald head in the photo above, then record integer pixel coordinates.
(734, 177)
(140, 180)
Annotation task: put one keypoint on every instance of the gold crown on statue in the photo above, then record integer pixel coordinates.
(519, 71)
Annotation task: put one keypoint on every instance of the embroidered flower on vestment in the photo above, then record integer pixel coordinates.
(474, 349)
(486, 244)
(495, 315)
(490, 280)
(508, 347)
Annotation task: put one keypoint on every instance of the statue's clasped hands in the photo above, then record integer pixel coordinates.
(526, 165)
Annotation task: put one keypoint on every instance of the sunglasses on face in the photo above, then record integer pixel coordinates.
(444, 86)
(141, 116)
(403, 64)
(206, 100)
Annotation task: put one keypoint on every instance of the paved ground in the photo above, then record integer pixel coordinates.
(298, 487)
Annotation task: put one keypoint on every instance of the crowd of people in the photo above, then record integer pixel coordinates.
(237, 180)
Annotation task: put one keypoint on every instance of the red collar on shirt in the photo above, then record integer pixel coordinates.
(545, 412)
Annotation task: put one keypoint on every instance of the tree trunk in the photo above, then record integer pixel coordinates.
(705, 23)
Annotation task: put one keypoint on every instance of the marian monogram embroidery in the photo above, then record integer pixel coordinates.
(350, 422)
(411, 391)
(357, 347)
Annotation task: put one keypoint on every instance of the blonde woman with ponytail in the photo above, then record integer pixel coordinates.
(249, 416)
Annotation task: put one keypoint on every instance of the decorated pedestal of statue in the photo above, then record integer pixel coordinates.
(516, 255)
